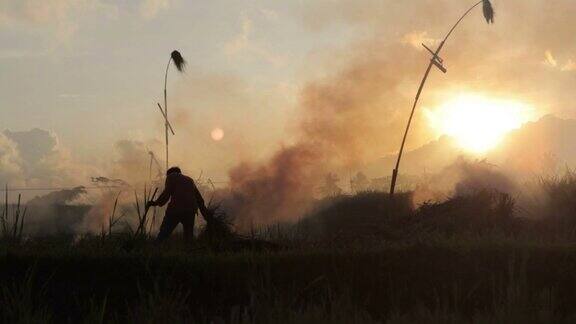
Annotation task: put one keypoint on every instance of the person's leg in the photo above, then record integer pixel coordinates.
(187, 219)
(169, 223)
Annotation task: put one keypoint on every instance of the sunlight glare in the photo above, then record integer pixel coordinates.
(478, 123)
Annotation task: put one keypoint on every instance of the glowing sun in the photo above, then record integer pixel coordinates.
(478, 123)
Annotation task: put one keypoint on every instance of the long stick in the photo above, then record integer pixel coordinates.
(142, 225)
(166, 109)
(420, 88)
(165, 118)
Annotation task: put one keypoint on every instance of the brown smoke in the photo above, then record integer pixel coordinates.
(358, 114)
(344, 121)
(277, 190)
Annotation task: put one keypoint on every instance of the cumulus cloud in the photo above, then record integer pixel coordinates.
(60, 201)
(10, 162)
(36, 158)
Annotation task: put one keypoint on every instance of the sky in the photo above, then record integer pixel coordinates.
(79, 79)
(92, 71)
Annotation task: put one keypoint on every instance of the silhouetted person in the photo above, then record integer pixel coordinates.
(185, 200)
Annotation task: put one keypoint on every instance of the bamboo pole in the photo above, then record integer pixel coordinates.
(419, 92)
(166, 110)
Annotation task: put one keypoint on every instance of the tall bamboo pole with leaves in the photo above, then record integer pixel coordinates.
(488, 11)
(179, 62)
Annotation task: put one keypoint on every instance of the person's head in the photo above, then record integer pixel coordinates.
(174, 169)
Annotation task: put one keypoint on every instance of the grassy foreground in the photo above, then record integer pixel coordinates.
(354, 259)
(474, 281)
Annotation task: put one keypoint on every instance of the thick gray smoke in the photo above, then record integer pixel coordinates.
(56, 212)
(463, 177)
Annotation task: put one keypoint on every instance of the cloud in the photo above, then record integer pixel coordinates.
(241, 41)
(10, 162)
(37, 11)
(61, 19)
(36, 159)
(569, 66)
(150, 8)
(416, 39)
(57, 16)
(269, 14)
(60, 16)
(549, 59)
(243, 46)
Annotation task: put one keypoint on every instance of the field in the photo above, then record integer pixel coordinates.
(354, 259)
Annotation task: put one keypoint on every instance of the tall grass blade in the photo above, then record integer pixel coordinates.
(22, 223)
(16, 217)
(5, 213)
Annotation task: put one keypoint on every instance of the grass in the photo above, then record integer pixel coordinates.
(473, 280)
(12, 220)
(353, 259)
(112, 220)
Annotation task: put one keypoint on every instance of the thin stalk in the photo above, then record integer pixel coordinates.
(22, 223)
(417, 98)
(150, 169)
(151, 198)
(16, 217)
(112, 221)
(166, 108)
(137, 207)
(5, 213)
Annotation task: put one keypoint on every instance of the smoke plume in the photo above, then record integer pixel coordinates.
(357, 114)
(344, 120)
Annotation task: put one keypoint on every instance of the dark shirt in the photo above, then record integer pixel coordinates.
(182, 193)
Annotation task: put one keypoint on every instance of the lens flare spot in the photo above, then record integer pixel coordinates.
(217, 134)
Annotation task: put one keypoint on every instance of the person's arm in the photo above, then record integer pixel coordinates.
(165, 195)
(200, 201)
